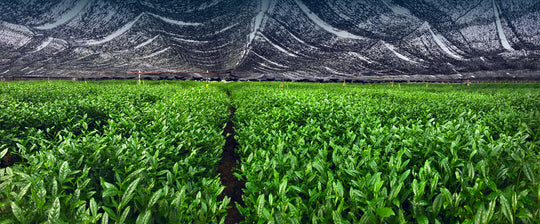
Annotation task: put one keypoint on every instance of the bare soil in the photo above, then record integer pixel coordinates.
(10, 160)
(229, 162)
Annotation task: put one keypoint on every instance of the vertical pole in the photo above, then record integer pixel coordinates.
(139, 77)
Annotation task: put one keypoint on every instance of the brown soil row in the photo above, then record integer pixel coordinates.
(229, 162)
(9, 160)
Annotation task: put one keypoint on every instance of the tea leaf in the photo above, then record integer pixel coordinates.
(17, 212)
(155, 197)
(145, 218)
(54, 211)
(423, 220)
(282, 187)
(93, 207)
(108, 212)
(260, 205)
(3, 153)
(385, 212)
(336, 217)
(23, 192)
(105, 218)
(124, 215)
(63, 172)
(129, 193)
(506, 209)
(438, 204)
(480, 214)
(491, 209)
(529, 173)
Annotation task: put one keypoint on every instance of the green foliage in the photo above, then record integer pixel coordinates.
(112, 152)
(324, 153)
(117, 152)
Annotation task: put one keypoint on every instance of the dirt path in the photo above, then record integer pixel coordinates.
(229, 161)
(10, 160)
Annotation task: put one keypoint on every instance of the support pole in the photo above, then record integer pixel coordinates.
(207, 78)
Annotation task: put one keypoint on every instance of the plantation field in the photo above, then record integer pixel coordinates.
(118, 152)
(112, 152)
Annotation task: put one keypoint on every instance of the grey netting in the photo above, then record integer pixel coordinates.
(271, 39)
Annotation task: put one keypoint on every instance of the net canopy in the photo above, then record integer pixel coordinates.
(271, 39)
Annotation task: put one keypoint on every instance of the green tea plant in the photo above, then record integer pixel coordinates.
(119, 152)
(360, 154)
(112, 152)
